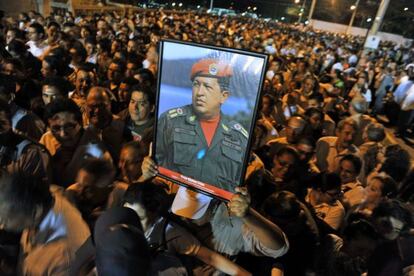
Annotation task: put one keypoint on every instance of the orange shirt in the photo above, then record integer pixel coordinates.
(209, 128)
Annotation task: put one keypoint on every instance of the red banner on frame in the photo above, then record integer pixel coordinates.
(198, 185)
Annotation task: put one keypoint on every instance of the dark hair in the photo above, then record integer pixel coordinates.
(121, 64)
(80, 50)
(355, 160)
(388, 187)
(145, 90)
(39, 28)
(7, 85)
(281, 205)
(99, 168)
(63, 105)
(327, 181)
(56, 63)
(147, 76)
(360, 228)
(287, 150)
(17, 46)
(5, 107)
(317, 97)
(53, 24)
(271, 99)
(152, 197)
(375, 132)
(312, 111)
(394, 208)
(60, 83)
(22, 193)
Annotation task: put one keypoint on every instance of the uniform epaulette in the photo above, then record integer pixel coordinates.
(175, 112)
(238, 127)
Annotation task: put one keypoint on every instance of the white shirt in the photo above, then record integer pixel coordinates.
(35, 50)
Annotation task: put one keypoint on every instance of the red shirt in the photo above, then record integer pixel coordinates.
(209, 128)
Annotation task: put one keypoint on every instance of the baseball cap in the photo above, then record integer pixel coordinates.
(211, 68)
(190, 204)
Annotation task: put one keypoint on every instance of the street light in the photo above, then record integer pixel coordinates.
(180, 5)
(406, 9)
(353, 7)
(297, 1)
(173, 4)
(369, 19)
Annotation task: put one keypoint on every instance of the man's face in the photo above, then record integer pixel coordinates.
(10, 35)
(130, 69)
(208, 97)
(305, 152)
(33, 35)
(293, 130)
(308, 85)
(346, 136)
(46, 70)
(313, 103)
(90, 48)
(347, 172)
(132, 47)
(49, 94)
(5, 125)
(83, 82)
(99, 109)
(139, 107)
(114, 73)
(130, 164)
(65, 128)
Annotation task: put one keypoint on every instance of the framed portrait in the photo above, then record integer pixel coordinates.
(207, 100)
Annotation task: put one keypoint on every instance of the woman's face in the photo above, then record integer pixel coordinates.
(373, 191)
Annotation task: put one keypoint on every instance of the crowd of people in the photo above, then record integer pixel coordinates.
(327, 191)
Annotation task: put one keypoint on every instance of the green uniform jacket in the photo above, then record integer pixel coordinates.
(182, 147)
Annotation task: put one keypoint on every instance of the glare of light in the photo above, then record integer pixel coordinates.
(283, 18)
(297, 1)
(369, 19)
(406, 9)
(249, 7)
(173, 4)
(243, 14)
(306, 22)
(300, 14)
(248, 63)
(302, 9)
(180, 5)
(353, 7)
(255, 8)
(198, 6)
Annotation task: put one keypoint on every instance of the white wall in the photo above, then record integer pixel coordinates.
(340, 28)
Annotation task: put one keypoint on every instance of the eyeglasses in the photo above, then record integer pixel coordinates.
(69, 127)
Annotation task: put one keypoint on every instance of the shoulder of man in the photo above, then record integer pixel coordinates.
(178, 112)
(236, 127)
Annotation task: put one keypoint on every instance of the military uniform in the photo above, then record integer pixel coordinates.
(182, 147)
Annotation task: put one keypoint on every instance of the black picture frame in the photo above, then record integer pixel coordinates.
(195, 184)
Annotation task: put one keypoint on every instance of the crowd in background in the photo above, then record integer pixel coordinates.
(328, 189)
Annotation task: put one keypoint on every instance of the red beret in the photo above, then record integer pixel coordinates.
(211, 68)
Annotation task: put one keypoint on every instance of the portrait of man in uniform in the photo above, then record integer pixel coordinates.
(198, 140)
